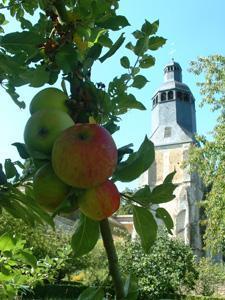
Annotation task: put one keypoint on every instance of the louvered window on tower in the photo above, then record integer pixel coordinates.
(167, 132)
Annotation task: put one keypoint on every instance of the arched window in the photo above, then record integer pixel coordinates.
(170, 95)
(163, 96)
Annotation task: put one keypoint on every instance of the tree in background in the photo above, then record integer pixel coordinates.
(209, 158)
(59, 42)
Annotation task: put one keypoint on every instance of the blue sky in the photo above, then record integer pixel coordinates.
(192, 28)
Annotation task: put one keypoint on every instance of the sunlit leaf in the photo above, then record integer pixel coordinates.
(114, 22)
(139, 81)
(113, 49)
(137, 162)
(156, 42)
(163, 214)
(146, 226)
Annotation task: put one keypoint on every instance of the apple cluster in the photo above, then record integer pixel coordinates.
(68, 155)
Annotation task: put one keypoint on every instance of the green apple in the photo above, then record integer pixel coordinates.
(100, 202)
(84, 155)
(43, 128)
(49, 98)
(49, 190)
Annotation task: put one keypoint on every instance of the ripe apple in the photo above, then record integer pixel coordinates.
(100, 202)
(49, 190)
(84, 155)
(43, 128)
(49, 98)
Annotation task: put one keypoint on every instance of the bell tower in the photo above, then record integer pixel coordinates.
(173, 131)
(173, 109)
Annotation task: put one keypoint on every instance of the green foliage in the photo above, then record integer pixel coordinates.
(208, 159)
(168, 268)
(85, 236)
(17, 264)
(211, 276)
(16, 193)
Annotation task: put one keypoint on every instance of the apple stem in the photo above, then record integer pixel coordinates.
(112, 258)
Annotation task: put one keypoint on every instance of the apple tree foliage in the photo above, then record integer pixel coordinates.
(208, 159)
(60, 41)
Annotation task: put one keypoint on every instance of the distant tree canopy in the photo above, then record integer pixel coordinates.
(209, 159)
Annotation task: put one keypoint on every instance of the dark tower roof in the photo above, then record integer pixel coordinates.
(173, 112)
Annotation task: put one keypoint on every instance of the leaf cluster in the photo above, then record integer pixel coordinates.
(16, 193)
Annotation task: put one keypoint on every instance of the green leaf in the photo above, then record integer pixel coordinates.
(7, 242)
(18, 41)
(105, 41)
(163, 214)
(28, 258)
(169, 177)
(147, 61)
(146, 227)
(36, 77)
(114, 48)
(12, 92)
(114, 23)
(141, 46)
(164, 192)
(2, 18)
(124, 102)
(95, 51)
(124, 61)
(139, 81)
(66, 58)
(150, 28)
(137, 162)
(10, 169)
(85, 236)
(143, 196)
(156, 42)
(111, 126)
(130, 46)
(138, 34)
(21, 148)
(92, 293)
(124, 150)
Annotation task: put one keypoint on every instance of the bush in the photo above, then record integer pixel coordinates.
(50, 247)
(166, 270)
(43, 240)
(211, 276)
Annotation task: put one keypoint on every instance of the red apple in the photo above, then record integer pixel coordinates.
(49, 98)
(100, 202)
(43, 127)
(49, 190)
(84, 155)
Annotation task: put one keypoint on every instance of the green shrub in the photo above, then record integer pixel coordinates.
(166, 270)
(50, 247)
(43, 240)
(211, 276)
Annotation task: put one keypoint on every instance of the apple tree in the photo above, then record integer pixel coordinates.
(70, 157)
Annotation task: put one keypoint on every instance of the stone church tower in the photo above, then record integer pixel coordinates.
(173, 130)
